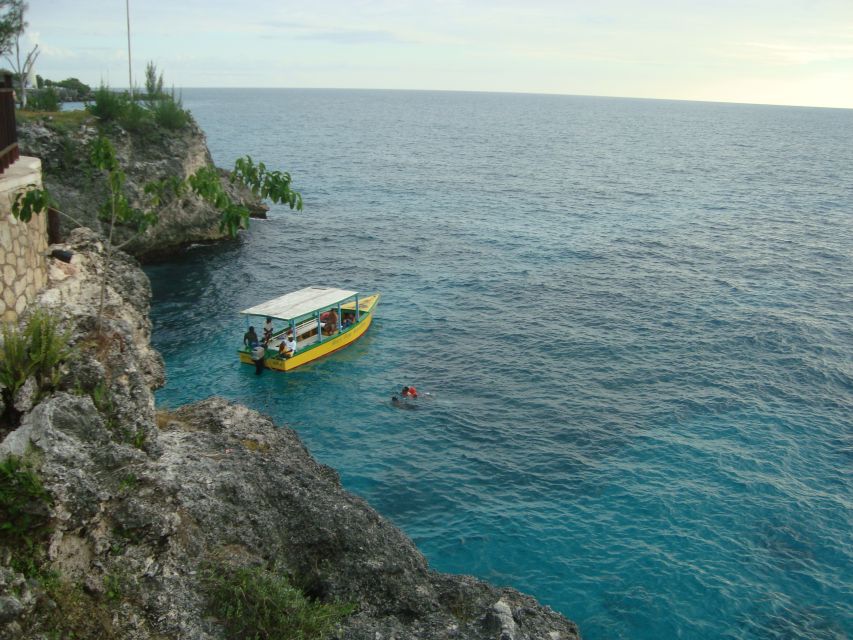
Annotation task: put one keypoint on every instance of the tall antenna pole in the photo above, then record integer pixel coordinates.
(129, 66)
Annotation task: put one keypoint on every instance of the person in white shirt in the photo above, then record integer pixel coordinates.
(287, 347)
(268, 330)
(258, 354)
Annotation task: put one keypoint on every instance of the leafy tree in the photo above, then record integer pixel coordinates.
(12, 27)
(75, 85)
(11, 23)
(153, 83)
(45, 100)
(108, 105)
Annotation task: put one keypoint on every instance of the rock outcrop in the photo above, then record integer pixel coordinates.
(143, 502)
(159, 153)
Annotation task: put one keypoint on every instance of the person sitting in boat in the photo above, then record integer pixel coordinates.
(250, 338)
(409, 392)
(287, 347)
(331, 322)
(268, 330)
(347, 319)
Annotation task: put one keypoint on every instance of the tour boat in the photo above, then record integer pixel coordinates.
(309, 314)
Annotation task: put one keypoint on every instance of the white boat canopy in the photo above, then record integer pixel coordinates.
(300, 303)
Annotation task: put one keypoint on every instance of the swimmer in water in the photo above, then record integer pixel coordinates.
(402, 404)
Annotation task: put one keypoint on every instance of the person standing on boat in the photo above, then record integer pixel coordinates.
(258, 353)
(250, 338)
(268, 330)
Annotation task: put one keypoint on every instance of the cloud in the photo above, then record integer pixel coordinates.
(58, 53)
(352, 37)
(306, 31)
(800, 54)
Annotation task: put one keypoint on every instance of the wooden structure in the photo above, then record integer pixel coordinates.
(9, 151)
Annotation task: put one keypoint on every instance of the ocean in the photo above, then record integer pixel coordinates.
(634, 320)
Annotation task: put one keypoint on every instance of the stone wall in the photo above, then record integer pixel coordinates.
(23, 265)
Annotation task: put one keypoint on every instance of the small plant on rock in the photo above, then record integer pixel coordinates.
(108, 104)
(24, 515)
(262, 604)
(37, 351)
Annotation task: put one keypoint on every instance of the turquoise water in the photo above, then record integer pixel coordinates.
(634, 318)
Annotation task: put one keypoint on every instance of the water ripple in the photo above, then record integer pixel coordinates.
(634, 318)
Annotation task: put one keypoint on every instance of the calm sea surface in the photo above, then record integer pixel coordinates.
(635, 319)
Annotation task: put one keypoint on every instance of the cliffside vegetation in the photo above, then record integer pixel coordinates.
(161, 188)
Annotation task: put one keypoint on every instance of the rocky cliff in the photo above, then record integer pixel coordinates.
(143, 505)
(63, 145)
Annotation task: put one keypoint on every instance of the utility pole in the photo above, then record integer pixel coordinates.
(129, 65)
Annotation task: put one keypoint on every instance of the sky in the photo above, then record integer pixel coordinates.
(792, 52)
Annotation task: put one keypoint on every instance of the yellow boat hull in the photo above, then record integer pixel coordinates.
(330, 344)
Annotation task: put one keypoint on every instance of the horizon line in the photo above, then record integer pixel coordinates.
(523, 93)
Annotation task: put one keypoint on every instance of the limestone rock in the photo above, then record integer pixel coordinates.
(26, 395)
(10, 608)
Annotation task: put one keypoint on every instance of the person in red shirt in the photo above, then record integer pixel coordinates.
(409, 392)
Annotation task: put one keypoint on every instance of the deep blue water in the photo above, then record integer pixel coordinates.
(634, 317)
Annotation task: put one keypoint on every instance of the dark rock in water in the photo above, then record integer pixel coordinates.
(144, 503)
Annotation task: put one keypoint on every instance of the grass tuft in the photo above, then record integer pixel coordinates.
(24, 515)
(261, 604)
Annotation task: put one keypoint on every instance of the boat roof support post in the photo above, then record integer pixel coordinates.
(319, 328)
(357, 309)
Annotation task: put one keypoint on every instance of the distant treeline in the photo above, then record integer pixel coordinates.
(68, 90)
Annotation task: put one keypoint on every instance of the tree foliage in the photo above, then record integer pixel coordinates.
(36, 351)
(30, 202)
(44, 100)
(153, 82)
(12, 27)
(12, 23)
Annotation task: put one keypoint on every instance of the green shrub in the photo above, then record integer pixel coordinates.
(135, 118)
(169, 112)
(260, 604)
(14, 360)
(48, 348)
(75, 613)
(37, 351)
(108, 104)
(44, 100)
(24, 514)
